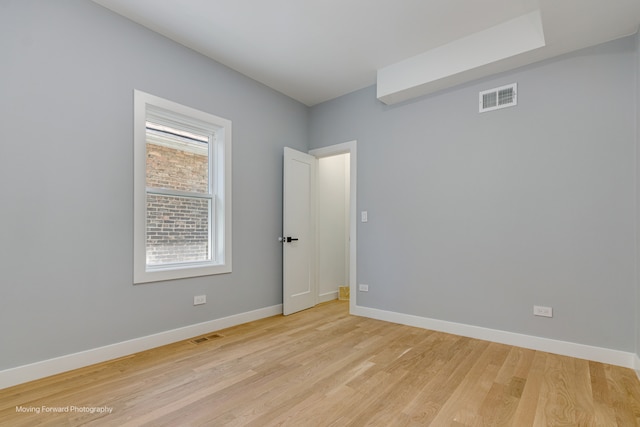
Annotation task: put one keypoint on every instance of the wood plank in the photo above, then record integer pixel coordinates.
(323, 367)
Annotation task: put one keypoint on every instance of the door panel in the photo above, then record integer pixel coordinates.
(299, 284)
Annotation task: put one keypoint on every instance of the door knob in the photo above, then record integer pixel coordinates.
(287, 239)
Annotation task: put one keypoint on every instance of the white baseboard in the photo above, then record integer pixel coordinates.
(580, 351)
(45, 368)
(329, 296)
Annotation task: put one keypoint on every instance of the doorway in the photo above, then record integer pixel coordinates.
(332, 225)
(300, 238)
(337, 166)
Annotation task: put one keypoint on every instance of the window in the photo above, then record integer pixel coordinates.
(182, 191)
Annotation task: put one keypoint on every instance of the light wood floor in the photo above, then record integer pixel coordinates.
(325, 367)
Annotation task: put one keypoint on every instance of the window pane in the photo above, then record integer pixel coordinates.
(177, 229)
(177, 160)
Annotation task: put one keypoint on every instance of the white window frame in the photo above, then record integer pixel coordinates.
(220, 189)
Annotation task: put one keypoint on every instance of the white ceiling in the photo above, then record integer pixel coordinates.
(316, 50)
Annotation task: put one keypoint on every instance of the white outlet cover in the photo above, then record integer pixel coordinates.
(539, 310)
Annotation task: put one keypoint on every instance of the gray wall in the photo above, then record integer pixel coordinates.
(474, 218)
(67, 76)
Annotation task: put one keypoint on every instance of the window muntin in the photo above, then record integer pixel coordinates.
(182, 191)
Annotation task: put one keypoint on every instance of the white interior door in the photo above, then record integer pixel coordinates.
(298, 253)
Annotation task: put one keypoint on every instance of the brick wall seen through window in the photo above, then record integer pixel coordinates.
(177, 227)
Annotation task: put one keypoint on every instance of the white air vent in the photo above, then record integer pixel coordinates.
(500, 97)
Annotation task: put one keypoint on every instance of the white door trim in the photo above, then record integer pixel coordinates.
(333, 150)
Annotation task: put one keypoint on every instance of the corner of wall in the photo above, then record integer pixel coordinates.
(637, 204)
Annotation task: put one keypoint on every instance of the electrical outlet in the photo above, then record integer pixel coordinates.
(363, 288)
(199, 299)
(539, 310)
